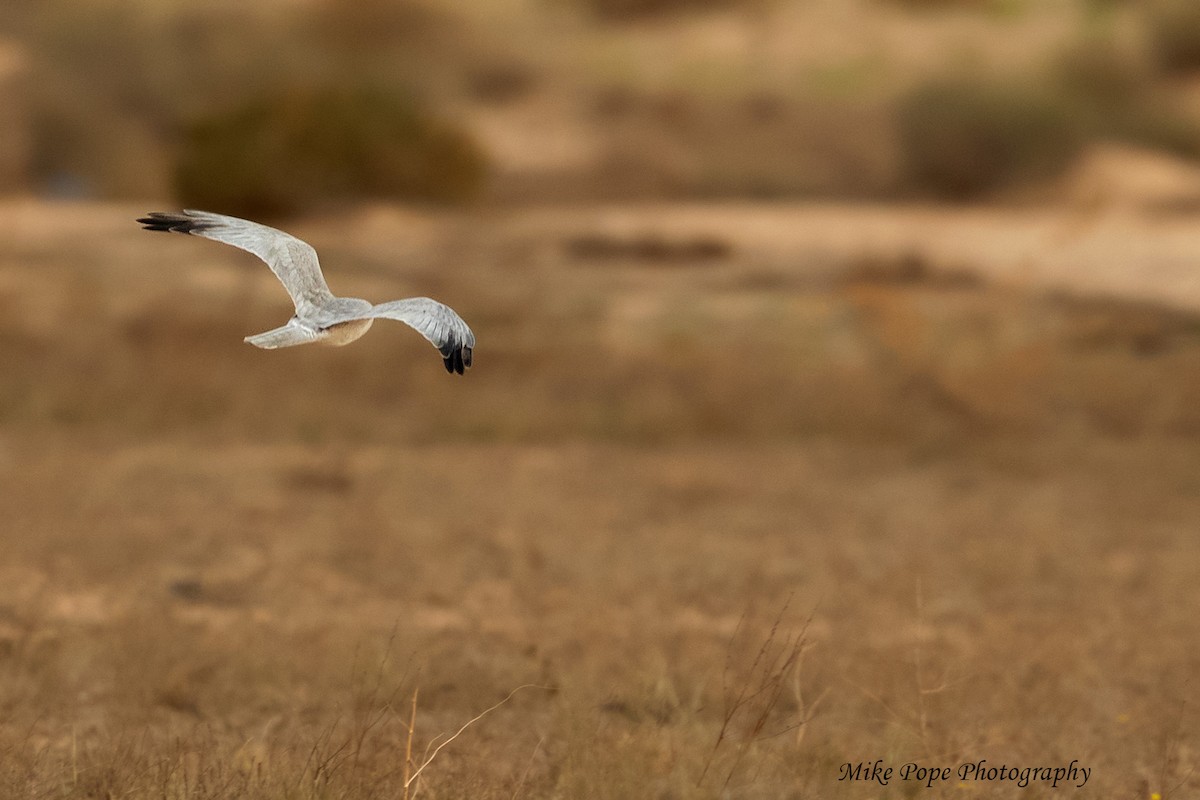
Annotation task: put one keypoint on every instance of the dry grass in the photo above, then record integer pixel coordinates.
(229, 572)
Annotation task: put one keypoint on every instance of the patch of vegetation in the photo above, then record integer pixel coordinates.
(1100, 72)
(120, 83)
(1102, 10)
(632, 10)
(961, 139)
(1174, 33)
(1113, 89)
(953, 5)
(1158, 127)
(282, 153)
(500, 83)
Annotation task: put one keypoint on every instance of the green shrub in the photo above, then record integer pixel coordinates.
(961, 139)
(286, 152)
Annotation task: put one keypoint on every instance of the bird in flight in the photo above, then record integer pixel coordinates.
(320, 315)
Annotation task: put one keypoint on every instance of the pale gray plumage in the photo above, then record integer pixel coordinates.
(320, 315)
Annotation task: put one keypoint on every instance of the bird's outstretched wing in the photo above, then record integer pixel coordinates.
(438, 323)
(293, 261)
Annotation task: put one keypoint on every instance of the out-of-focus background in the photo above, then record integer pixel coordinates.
(836, 398)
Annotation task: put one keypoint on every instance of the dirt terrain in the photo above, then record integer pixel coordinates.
(732, 497)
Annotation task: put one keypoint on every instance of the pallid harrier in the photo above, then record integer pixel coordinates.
(320, 316)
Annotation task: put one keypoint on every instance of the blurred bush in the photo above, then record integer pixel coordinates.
(945, 5)
(123, 87)
(961, 139)
(1114, 89)
(1174, 34)
(1155, 126)
(285, 152)
(16, 140)
(1098, 71)
(630, 10)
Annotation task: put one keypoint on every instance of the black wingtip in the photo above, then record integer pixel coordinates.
(177, 223)
(458, 360)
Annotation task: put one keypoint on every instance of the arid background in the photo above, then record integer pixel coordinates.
(836, 398)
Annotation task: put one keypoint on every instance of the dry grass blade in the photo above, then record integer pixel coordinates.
(525, 774)
(411, 780)
(1171, 757)
(759, 689)
(412, 727)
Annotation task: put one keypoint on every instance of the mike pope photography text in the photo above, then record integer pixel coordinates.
(877, 771)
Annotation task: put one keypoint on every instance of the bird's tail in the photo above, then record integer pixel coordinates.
(288, 335)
